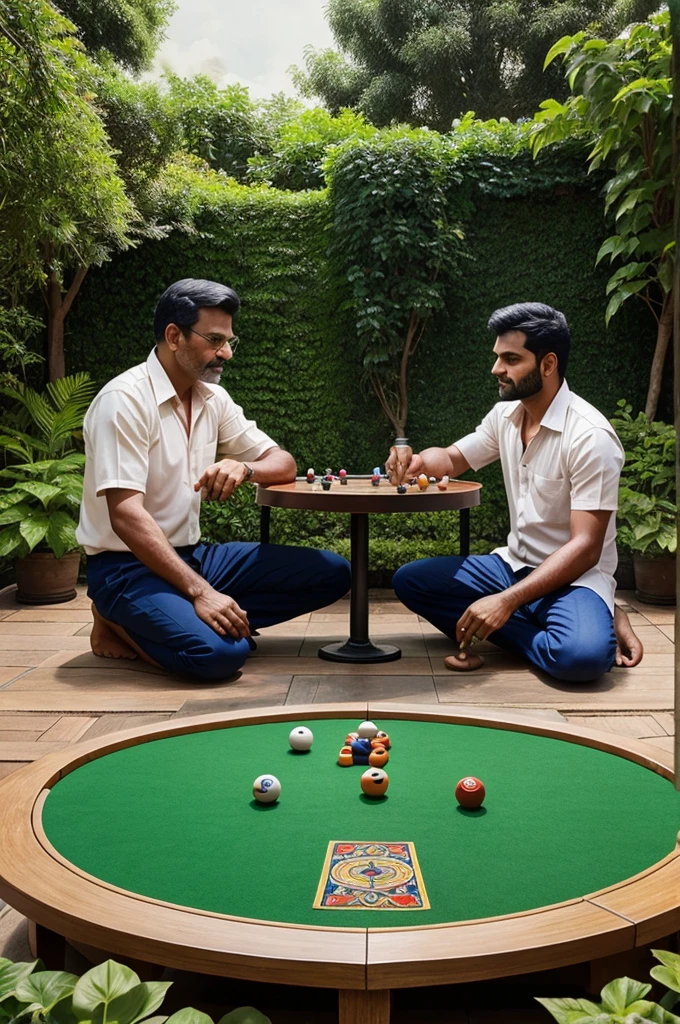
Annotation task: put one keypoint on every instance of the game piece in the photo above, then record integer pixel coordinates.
(326, 484)
(374, 783)
(367, 730)
(433, 479)
(376, 471)
(402, 489)
(301, 738)
(345, 757)
(381, 739)
(266, 789)
(470, 792)
(351, 736)
(443, 484)
(378, 757)
(423, 482)
(360, 750)
(375, 480)
(310, 476)
(343, 476)
(329, 473)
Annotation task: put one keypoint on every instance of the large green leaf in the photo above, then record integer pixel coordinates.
(61, 533)
(618, 995)
(11, 541)
(34, 527)
(45, 988)
(11, 974)
(574, 1011)
(189, 1016)
(137, 1002)
(245, 1015)
(15, 514)
(100, 986)
(44, 492)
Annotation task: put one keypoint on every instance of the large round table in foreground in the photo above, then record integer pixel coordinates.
(360, 498)
(148, 845)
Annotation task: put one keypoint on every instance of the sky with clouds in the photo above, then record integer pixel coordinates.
(253, 43)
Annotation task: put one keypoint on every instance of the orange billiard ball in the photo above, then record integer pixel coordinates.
(470, 792)
(374, 782)
(381, 739)
(378, 757)
(345, 757)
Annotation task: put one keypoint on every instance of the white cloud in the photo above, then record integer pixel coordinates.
(253, 43)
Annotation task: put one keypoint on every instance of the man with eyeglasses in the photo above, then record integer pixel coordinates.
(159, 439)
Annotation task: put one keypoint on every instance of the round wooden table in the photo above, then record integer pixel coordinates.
(359, 497)
(147, 845)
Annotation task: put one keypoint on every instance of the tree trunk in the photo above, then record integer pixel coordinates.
(663, 336)
(58, 306)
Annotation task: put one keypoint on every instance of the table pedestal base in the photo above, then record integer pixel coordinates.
(359, 653)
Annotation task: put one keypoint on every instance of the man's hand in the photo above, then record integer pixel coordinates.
(403, 465)
(483, 617)
(221, 613)
(629, 649)
(221, 479)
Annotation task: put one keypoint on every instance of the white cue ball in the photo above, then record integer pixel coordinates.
(367, 730)
(266, 789)
(301, 738)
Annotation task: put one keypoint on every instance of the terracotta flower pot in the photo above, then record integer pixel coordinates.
(44, 579)
(655, 579)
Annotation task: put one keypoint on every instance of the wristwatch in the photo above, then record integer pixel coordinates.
(249, 472)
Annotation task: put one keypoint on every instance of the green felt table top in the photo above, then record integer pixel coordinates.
(174, 819)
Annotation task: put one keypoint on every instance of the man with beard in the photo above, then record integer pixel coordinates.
(548, 594)
(158, 439)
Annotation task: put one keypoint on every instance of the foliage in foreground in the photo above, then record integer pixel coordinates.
(623, 1000)
(108, 994)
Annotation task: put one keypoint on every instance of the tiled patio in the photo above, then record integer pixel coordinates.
(54, 692)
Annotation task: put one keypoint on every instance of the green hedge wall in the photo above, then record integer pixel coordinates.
(294, 375)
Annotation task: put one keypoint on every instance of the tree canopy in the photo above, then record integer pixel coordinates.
(130, 30)
(426, 62)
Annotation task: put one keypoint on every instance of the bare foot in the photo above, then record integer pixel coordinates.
(629, 649)
(463, 661)
(105, 641)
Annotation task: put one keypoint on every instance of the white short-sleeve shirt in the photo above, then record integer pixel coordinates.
(573, 462)
(136, 439)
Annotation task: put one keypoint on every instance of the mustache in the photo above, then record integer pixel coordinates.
(215, 364)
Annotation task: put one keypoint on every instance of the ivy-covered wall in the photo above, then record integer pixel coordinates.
(294, 372)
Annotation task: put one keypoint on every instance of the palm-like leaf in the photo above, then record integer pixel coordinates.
(76, 391)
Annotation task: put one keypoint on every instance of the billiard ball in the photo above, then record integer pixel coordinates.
(378, 757)
(382, 739)
(367, 730)
(402, 489)
(345, 757)
(374, 782)
(470, 792)
(266, 789)
(351, 736)
(301, 738)
(423, 481)
(360, 750)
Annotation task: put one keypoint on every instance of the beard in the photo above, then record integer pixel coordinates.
(526, 387)
(212, 371)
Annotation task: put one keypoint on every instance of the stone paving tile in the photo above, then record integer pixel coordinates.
(10, 628)
(366, 685)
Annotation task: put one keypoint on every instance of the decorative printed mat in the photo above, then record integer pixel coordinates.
(371, 876)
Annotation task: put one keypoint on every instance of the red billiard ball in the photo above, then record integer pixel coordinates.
(470, 792)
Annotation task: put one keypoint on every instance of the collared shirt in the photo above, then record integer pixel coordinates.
(136, 439)
(573, 462)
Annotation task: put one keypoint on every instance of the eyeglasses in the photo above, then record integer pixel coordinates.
(218, 341)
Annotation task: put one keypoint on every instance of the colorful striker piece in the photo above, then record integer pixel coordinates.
(310, 476)
(443, 484)
(342, 473)
(470, 792)
(374, 783)
(423, 482)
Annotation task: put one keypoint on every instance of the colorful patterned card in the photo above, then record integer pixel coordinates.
(371, 876)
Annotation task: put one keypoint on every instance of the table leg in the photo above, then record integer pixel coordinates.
(265, 516)
(47, 945)
(464, 527)
(359, 648)
(364, 1006)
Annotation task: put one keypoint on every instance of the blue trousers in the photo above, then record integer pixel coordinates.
(569, 633)
(270, 582)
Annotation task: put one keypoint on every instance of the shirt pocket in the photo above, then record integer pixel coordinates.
(549, 500)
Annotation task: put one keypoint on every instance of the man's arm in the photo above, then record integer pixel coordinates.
(275, 466)
(145, 539)
(581, 552)
(403, 464)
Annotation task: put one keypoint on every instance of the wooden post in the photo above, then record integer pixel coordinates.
(364, 1006)
(674, 6)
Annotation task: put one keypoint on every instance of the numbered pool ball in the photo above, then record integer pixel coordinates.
(301, 738)
(374, 783)
(470, 792)
(266, 789)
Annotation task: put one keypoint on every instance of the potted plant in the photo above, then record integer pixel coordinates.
(648, 503)
(41, 487)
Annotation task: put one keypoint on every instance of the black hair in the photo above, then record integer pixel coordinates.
(182, 302)
(546, 329)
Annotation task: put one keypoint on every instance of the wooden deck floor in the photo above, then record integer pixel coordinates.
(54, 692)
